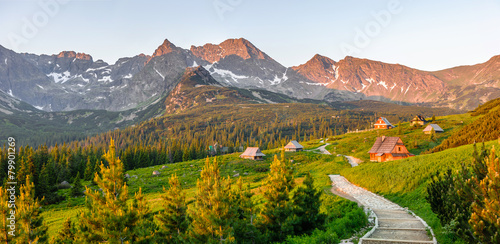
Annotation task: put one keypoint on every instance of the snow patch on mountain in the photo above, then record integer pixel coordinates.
(92, 69)
(60, 77)
(162, 77)
(226, 74)
(382, 83)
(407, 89)
(106, 79)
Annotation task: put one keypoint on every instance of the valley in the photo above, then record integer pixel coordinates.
(173, 112)
(402, 181)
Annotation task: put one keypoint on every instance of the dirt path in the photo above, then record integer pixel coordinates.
(393, 223)
(352, 160)
(323, 150)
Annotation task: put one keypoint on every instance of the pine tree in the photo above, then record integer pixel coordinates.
(485, 210)
(66, 235)
(400, 129)
(89, 170)
(211, 215)
(276, 213)
(108, 218)
(433, 118)
(145, 227)
(43, 188)
(306, 201)
(77, 189)
(4, 214)
(244, 226)
(173, 218)
(30, 223)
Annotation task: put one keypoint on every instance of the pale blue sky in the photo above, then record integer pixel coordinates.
(424, 34)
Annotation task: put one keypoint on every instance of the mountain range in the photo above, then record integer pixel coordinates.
(71, 81)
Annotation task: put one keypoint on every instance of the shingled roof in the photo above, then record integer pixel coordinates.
(293, 145)
(253, 152)
(436, 127)
(385, 121)
(384, 144)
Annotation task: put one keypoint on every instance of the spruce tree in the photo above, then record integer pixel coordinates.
(89, 170)
(400, 129)
(276, 213)
(173, 219)
(108, 217)
(30, 223)
(211, 215)
(433, 118)
(244, 225)
(306, 202)
(77, 189)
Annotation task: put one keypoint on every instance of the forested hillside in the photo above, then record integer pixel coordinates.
(485, 128)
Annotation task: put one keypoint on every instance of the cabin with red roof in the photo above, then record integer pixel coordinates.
(388, 149)
(383, 123)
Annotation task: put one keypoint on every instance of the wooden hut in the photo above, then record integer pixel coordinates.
(253, 153)
(418, 120)
(383, 123)
(436, 128)
(388, 149)
(293, 146)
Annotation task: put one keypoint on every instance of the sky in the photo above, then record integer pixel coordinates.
(426, 34)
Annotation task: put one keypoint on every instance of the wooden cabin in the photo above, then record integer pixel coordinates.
(388, 149)
(418, 120)
(293, 146)
(436, 128)
(383, 123)
(253, 153)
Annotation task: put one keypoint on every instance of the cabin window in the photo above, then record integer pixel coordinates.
(399, 149)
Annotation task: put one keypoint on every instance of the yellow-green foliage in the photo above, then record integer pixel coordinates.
(188, 173)
(358, 144)
(404, 181)
(405, 175)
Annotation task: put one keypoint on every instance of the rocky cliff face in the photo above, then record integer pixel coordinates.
(375, 80)
(470, 86)
(239, 47)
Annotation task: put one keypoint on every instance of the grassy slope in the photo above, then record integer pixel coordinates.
(319, 166)
(404, 181)
(358, 144)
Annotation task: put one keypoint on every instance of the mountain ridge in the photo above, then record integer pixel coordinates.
(75, 81)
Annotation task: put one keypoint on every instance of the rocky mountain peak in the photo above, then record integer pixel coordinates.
(319, 68)
(165, 48)
(239, 47)
(73, 54)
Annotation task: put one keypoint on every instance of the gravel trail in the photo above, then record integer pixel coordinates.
(394, 224)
